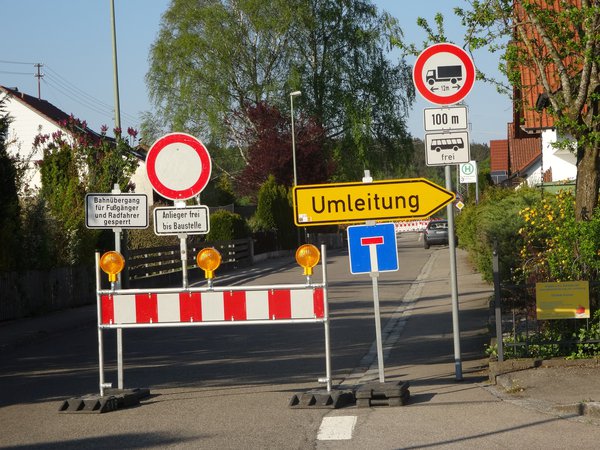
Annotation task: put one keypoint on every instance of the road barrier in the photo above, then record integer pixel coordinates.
(213, 306)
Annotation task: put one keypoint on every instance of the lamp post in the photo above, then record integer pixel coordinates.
(292, 95)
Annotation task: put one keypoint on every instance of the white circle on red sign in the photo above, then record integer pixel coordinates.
(178, 166)
(444, 74)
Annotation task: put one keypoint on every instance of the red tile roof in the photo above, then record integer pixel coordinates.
(499, 156)
(523, 152)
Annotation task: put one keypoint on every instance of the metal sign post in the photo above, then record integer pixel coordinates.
(453, 281)
(375, 281)
(444, 74)
(372, 248)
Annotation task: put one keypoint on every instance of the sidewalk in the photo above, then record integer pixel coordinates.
(473, 413)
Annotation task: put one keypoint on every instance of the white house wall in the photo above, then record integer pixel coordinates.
(142, 183)
(534, 174)
(24, 127)
(562, 161)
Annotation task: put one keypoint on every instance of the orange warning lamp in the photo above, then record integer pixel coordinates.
(307, 256)
(208, 259)
(112, 263)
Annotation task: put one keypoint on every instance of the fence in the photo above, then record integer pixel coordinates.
(519, 334)
(35, 292)
(161, 266)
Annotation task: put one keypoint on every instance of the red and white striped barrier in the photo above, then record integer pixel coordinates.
(209, 306)
(410, 225)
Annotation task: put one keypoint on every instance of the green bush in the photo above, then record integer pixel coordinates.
(226, 226)
(495, 220)
(275, 212)
(146, 237)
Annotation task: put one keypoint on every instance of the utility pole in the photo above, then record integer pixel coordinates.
(115, 66)
(39, 76)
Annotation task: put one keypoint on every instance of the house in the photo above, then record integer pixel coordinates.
(30, 117)
(531, 155)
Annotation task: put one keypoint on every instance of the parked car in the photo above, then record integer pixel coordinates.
(436, 233)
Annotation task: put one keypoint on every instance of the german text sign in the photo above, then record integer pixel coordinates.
(563, 300)
(447, 118)
(188, 220)
(325, 204)
(116, 211)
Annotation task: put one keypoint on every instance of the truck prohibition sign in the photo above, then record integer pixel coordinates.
(444, 74)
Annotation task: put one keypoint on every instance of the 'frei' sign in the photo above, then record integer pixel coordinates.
(325, 204)
(188, 220)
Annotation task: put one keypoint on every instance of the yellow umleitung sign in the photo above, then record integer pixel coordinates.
(338, 203)
(563, 300)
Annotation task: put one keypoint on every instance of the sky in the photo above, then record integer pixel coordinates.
(72, 39)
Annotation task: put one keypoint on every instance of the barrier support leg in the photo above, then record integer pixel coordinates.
(100, 343)
(120, 358)
(326, 323)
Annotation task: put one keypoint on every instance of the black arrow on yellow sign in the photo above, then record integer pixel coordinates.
(340, 203)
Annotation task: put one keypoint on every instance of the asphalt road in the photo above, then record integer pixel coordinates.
(212, 387)
(228, 387)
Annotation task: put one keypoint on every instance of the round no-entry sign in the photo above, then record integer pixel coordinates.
(178, 166)
(444, 74)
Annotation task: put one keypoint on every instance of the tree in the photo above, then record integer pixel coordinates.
(274, 212)
(216, 59)
(558, 42)
(9, 199)
(270, 150)
(350, 86)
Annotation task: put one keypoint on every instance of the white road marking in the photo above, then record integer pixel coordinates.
(338, 428)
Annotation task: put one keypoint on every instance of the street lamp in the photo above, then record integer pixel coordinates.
(292, 95)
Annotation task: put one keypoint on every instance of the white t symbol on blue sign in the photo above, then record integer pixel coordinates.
(372, 248)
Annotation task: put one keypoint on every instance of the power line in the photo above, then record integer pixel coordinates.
(82, 96)
(16, 62)
(16, 73)
(66, 93)
(60, 84)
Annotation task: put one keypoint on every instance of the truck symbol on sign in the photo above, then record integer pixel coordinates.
(453, 74)
(447, 144)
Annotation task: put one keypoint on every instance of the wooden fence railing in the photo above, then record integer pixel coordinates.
(151, 262)
(41, 291)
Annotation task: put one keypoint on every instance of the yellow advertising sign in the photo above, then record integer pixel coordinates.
(563, 300)
(337, 203)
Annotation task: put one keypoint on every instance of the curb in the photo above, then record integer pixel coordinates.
(497, 368)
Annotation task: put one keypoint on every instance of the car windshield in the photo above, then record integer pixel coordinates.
(438, 225)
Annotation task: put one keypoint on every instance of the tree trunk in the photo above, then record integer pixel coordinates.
(588, 182)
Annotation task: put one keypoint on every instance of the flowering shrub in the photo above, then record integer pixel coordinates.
(76, 161)
(555, 247)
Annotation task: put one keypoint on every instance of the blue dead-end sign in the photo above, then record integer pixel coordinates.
(372, 248)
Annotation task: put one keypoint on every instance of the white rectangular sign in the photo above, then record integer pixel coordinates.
(468, 172)
(446, 119)
(116, 211)
(443, 149)
(188, 220)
